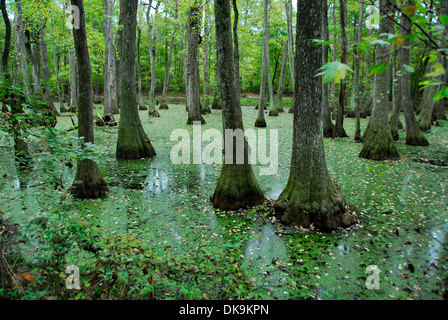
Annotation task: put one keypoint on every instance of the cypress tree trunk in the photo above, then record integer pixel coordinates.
(339, 131)
(110, 67)
(379, 144)
(45, 66)
(310, 196)
(236, 50)
(206, 99)
(73, 107)
(88, 181)
(328, 125)
(152, 111)
(140, 102)
(163, 103)
(237, 186)
(133, 143)
(194, 99)
(288, 7)
(272, 110)
(260, 122)
(413, 136)
(22, 49)
(281, 80)
(396, 98)
(7, 48)
(356, 94)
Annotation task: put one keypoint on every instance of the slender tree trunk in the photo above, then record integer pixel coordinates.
(194, 99)
(356, 101)
(310, 196)
(58, 83)
(396, 97)
(368, 100)
(133, 143)
(140, 102)
(206, 99)
(328, 126)
(45, 66)
(110, 64)
(88, 181)
(272, 110)
(237, 186)
(413, 136)
(260, 122)
(164, 104)
(288, 7)
(339, 131)
(73, 107)
(379, 144)
(236, 50)
(7, 47)
(152, 111)
(281, 79)
(22, 49)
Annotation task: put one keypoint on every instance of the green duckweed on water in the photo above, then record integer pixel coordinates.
(156, 235)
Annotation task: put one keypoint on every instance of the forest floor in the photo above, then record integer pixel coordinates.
(156, 235)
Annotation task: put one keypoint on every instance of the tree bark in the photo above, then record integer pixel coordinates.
(356, 92)
(140, 101)
(152, 111)
(206, 99)
(328, 126)
(88, 181)
(310, 196)
(73, 107)
(45, 66)
(237, 186)
(7, 47)
(194, 99)
(163, 103)
(22, 49)
(236, 50)
(110, 66)
(133, 143)
(413, 136)
(281, 79)
(288, 7)
(339, 131)
(379, 144)
(272, 110)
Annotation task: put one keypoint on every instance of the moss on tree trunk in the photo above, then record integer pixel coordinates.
(310, 196)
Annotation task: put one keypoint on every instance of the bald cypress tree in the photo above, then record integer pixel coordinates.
(310, 196)
(133, 143)
(379, 143)
(88, 181)
(237, 186)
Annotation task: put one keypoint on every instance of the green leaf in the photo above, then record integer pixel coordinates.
(378, 68)
(334, 72)
(437, 70)
(379, 41)
(442, 93)
(408, 68)
(443, 18)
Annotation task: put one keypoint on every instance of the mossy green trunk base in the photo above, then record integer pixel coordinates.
(305, 204)
(273, 113)
(133, 143)
(196, 118)
(88, 184)
(260, 123)
(379, 146)
(237, 188)
(163, 106)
